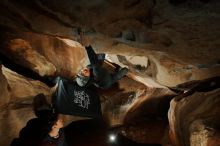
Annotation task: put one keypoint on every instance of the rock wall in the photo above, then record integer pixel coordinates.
(194, 117)
(17, 93)
(4, 89)
(43, 54)
(162, 42)
(156, 29)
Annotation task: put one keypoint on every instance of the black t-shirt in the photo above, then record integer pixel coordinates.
(71, 99)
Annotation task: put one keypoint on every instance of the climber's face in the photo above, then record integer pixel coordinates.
(85, 72)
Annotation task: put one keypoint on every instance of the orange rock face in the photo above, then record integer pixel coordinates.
(194, 117)
(4, 89)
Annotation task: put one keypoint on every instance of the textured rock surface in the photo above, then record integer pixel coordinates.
(122, 28)
(43, 54)
(4, 89)
(17, 98)
(17, 93)
(194, 117)
(162, 42)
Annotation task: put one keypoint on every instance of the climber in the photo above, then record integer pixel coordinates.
(71, 99)
(96, 74)
(55, 135)
(46, 129)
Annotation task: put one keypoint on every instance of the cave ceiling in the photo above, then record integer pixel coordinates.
(180, 42)
(169, 46)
